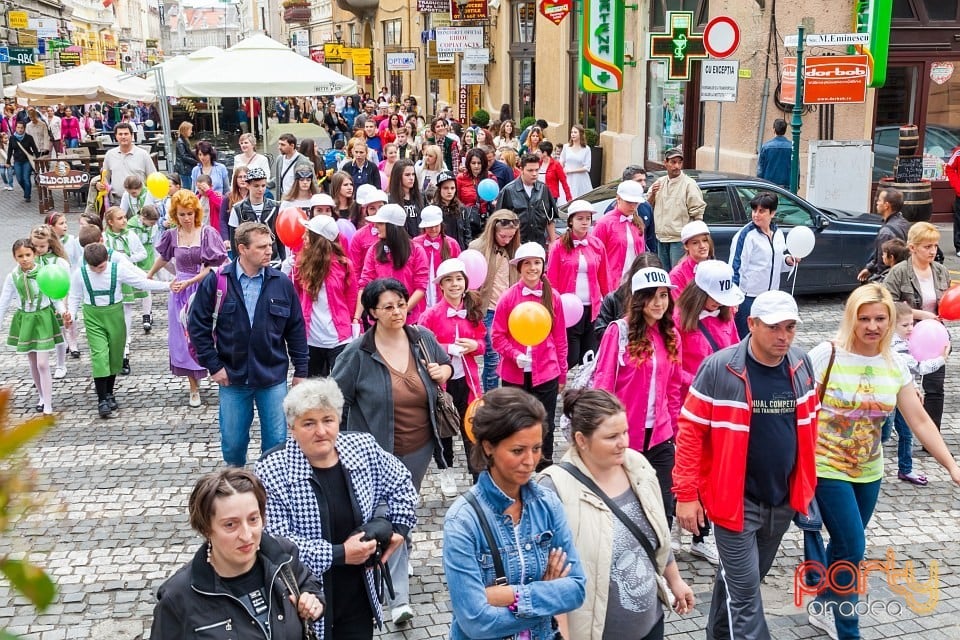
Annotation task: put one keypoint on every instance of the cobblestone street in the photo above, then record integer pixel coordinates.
(111, 522)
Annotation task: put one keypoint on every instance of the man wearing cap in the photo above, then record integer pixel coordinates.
(369, 200)
(247, 351)
(532, 202)
(676, 200)
(621, 231)
(284, 166)
(746, 458)
(256, 207)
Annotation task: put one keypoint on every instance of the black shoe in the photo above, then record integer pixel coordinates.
(75, 354)
(26, 199)
(103, 408)
(39, 407)
(125, 369)
(147, 323)
(112, 402)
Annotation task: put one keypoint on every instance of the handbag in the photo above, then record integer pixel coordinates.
(446, 415)
(381, 530)
(286, 574)
(631, 526)
(813, 521)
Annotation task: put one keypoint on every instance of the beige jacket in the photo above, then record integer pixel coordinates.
(591, 523)
(676, 204)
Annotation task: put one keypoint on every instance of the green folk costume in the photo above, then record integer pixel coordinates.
(106, 327)
(35, 325)
(145, 234)
(121, 242)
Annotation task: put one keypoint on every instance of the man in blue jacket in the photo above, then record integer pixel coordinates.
(776, 156)
(243, 322)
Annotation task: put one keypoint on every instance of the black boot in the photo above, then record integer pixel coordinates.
(147, 323)
(103, 408)
(125, 369)
(111, 402)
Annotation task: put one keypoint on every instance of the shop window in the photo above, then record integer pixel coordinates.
(941, 131)
(523, 75)
(666, 112)
(903, 11)
(587, 109)
(396, 83)
(658, 14)
(940, 9)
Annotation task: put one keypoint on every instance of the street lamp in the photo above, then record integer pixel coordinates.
(338, 33)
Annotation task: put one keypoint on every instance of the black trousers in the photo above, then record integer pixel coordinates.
(933, 394)
(322, 360)
(580, 339)
(661, 457)
(546, 393)
(956, 226)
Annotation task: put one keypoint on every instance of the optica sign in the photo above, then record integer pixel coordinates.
(835, 79)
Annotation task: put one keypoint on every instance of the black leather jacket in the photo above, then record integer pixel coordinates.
(536, 212)
(194, 603)
(244, 213)
(186, 160)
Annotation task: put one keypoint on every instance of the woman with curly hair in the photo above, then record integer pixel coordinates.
(196, 249)
(326, 284)
(639, 362)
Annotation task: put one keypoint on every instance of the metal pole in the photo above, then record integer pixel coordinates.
(716, 144)
(797, 121)
(164, 110)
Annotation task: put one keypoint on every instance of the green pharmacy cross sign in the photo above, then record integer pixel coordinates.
(679, 45)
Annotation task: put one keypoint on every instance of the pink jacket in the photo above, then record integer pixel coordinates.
(70, 127)
(549, 357)
(434, 254)
(341, 290)
(563, 264)
(681, 274)
(447, 328)
(365, 237)
(414, 275)
(630, 381)
(696, 348)
(612, 233)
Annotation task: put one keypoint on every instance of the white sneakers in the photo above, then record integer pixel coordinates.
(402, 614)
(825, 622)
(448, 483)
(195, 399)
(706, 549)
(59, 373)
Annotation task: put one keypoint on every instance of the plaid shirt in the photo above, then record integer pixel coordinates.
(377, 480)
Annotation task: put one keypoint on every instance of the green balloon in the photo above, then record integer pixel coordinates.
(54, 281)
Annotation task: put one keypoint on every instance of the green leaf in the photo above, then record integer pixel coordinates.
(13, 438)
(31, 581)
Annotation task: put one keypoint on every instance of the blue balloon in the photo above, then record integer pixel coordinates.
(488, 189)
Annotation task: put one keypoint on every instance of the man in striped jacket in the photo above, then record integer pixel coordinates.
(746, 456)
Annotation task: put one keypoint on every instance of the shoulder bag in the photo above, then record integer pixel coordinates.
(286, 574)
(813, 521)
(446, 414)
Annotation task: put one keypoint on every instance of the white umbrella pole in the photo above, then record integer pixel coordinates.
(263, 122)
(164, 109)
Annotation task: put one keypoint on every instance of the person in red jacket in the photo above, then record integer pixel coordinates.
(952, 169)
(553, 174)
(474, 171)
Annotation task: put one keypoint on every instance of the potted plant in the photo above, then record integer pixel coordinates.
(296, 11)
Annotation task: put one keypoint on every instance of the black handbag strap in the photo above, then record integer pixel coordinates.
(488, 534)
(617, 511)
(709, 336)
(286, 574)
(826, 375)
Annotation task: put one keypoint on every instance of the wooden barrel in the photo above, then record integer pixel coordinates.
(909, 140)
(917, 198)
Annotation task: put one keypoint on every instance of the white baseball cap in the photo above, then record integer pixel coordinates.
(453, 265)
(322, 225)
(579, 206)
(322, 200)
(362, 192)
(650, 278)
(631, 191)
(390, 214)
(431, 216)
(693, 229)
(773, 307)
(372, 195)
(715, 277)
(528, 250)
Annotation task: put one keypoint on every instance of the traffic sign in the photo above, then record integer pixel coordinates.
(335, 52)
(4, 54)
(721, 37)
(23, 57)
(829, 39)
(718, 80)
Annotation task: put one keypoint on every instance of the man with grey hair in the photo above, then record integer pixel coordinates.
(245, 319)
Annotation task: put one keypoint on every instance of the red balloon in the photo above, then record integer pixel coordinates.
(949, 308)
(289, 229)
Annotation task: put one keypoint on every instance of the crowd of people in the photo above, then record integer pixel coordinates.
(695, 414)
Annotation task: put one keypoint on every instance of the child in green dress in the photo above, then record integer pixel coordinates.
(49, 250)
(144, 225)
(117, 237)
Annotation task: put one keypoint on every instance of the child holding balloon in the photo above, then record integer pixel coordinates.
(457, 322)
(577, 268)
(436, 245)
(120, 239)
(35, 328)
(71, 245)
(49, 251)
(530, 335)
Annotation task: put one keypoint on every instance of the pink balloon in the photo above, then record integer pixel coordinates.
(928, 339)
(476, 266)
(346, 228)
(572, 309)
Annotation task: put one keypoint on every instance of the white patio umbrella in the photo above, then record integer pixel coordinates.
(87, 83)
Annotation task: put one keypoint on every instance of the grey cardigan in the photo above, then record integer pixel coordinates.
(364, 379)
(904, 286)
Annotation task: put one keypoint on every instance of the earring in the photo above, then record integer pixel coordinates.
(209, 552)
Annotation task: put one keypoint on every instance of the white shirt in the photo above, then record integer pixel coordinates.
(322, 332)
(126, 274)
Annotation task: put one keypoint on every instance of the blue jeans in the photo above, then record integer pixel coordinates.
(24, 173)
(6, 172)
(73, 143)
(846, 508)
(491, 359)
(904, 440)
(740, 319)
(236, 416)
(670, 253)
(186, 181)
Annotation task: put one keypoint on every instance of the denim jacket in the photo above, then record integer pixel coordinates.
(524, 548)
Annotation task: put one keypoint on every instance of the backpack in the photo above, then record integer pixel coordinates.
(585, 375)
(217, 305)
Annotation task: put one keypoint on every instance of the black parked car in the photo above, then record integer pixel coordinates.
(845, 239)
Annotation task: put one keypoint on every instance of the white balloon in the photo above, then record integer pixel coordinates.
(800, 242)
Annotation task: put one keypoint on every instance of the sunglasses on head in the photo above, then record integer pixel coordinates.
(303, 175)
(508, 222)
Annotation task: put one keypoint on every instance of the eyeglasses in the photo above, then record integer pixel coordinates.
(507, 222)
(391, 309)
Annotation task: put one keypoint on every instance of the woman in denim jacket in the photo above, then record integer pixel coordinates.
(544, 577)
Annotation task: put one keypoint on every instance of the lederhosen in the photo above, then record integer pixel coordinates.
(106, 327)
(121, 242)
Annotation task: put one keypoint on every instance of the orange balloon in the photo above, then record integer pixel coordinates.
(468, 419)
(529, 323)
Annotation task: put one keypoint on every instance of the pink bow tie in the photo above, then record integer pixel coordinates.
(580, 243)
(435, 245)
(532, 292)
(626, 218)
(462, 313)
